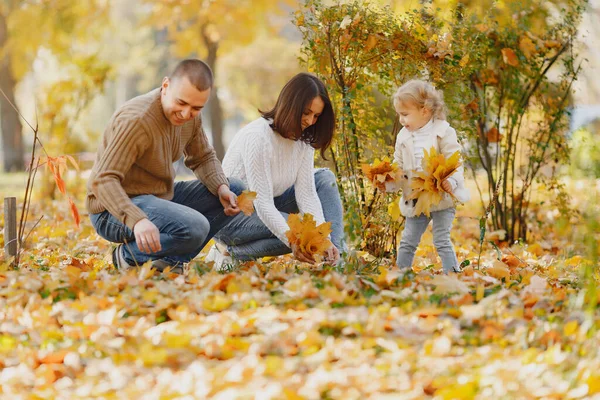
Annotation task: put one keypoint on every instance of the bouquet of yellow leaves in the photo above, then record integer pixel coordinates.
(310, 238)
(427, 185)
(381, 172)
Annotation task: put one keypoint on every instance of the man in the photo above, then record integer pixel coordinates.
(132, 197)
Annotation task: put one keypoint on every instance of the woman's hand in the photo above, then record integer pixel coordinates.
(333, 254)
(300, 255)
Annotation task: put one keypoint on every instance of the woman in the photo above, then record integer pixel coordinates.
(274, 156)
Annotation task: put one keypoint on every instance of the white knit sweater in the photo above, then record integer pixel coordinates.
(269, 165)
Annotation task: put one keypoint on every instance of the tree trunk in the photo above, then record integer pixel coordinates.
(12, 135)
(214, 109)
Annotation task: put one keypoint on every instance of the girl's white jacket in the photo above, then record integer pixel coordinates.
(443, 137)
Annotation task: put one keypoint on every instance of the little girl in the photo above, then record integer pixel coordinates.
(422, 113)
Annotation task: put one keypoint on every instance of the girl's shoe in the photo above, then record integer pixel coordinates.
(456, 269)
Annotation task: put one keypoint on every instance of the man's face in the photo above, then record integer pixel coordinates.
(181, 101)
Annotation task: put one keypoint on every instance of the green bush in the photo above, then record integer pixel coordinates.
(585, 154)
(495, 79)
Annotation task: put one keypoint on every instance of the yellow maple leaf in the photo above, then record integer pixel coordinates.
(371, 42)
(427, 185)
(394, 210)
(527, 46)
(245, 202)
(216, 302)
(509, 57)
(593, 383)
(380, 172)
(310, 238)
(464, 61)
(552, 44)
(482, 27)
(499, 270)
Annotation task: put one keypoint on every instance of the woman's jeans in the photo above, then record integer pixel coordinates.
(248, 238)
(414, 229)
(185, 223)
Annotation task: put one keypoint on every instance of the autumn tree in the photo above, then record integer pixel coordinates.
(254, 83)
(60, 26)
(209, 29)
(363, 52)
(495, 74)
(12, 138)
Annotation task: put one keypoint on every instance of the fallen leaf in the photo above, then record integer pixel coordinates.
(535, 249)
(537, 285)
(513, 262)
(217, 302)
(223, 282)
(430, 312)
(593, 383)
(445, 284)
(570, 328)
(498, 270)
(54, 358)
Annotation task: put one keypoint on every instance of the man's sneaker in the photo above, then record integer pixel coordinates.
(118, 260)
(161, 265)
(220, 260)
(121, 264)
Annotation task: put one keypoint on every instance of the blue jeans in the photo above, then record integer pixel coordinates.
(185, 223)
(413, 230)
(248, 238)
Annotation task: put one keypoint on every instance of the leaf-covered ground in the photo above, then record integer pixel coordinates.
(521, 323)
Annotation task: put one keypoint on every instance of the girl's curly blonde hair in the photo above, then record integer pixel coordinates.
(421, 94)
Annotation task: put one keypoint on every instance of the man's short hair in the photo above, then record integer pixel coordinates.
(197, 71)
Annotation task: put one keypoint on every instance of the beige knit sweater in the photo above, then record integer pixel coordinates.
(136, 158)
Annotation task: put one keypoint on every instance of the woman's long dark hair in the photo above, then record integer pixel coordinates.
(293, 99)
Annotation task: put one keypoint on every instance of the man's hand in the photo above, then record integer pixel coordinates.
(447, 186)
(333, 254)
(300, 255)
(229, 200)
(147, 236)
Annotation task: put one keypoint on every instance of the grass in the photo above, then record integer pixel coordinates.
(12, 184)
